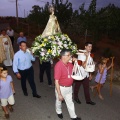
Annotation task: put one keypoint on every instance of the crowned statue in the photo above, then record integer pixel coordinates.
(50, 43)
(52, 26)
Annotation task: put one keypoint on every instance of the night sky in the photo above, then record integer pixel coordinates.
(7, 7)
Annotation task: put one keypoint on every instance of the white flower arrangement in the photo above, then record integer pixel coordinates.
(51, 46)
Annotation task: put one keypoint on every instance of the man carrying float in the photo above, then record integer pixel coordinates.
(83, 73)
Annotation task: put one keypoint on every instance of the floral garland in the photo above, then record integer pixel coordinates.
(51, 46)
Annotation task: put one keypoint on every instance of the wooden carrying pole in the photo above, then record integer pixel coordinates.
(111, 76)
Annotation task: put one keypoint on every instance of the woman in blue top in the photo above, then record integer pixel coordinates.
(6, 91)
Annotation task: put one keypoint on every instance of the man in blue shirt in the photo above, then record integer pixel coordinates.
(21, 38)
(23, 69)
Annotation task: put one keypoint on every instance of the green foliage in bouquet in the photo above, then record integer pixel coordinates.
(51, 46)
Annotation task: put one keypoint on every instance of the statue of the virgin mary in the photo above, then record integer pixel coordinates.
(49, 44)
(52, 26)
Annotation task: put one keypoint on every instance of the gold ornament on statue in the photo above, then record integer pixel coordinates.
(52, 26)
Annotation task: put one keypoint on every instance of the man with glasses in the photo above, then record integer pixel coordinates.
(63, 84)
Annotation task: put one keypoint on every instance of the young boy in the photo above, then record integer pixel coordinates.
(6, 91)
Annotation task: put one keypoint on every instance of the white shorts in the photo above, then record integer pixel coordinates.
(9, 100)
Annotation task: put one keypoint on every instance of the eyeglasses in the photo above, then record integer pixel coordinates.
(68, 55)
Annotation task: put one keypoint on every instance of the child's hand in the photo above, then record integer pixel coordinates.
(111, 65)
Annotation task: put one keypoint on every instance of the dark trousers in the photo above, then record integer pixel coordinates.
(45, 66)
(85, 83)
(12, 39)
(28, 74)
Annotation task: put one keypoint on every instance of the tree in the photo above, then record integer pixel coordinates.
(109, 19)
(63, 11)
(98, 23)
(92, 8)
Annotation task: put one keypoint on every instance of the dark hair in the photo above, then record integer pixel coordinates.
(22, 42)
(3, 68)
(87, 43)
(62, 53)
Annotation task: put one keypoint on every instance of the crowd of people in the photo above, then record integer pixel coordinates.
(65, 85)
(22, 67)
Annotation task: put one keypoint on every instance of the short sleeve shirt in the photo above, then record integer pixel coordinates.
(61, 72)
(5, 88)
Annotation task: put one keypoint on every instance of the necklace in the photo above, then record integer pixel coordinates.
(67, 68)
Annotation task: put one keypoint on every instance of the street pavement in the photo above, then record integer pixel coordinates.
(30, 108)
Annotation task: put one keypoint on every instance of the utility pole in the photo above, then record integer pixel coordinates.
(24, 13)
(17, 12)
(27, 14)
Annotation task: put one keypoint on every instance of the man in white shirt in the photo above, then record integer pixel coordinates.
(10, 33)
(87, 75)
